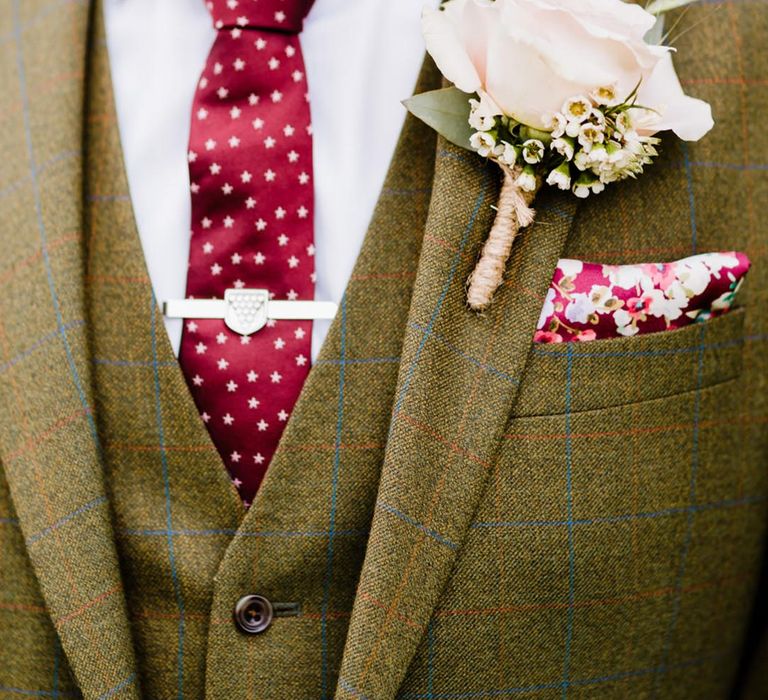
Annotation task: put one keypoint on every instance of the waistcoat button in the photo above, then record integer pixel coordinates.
(253, 614)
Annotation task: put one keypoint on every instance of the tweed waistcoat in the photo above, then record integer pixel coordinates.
(457, 512)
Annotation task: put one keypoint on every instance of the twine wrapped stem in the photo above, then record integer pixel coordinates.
(513, 213)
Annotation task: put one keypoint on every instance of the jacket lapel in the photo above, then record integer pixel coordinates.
(458, 379)
(49, 445)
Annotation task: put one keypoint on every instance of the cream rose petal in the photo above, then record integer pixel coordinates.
(442, 34)
(689, 117)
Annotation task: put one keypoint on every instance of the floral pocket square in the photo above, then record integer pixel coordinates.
(590, 301)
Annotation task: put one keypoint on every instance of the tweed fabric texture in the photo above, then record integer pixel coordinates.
(49, 445)
(176, 511)
(459, 512)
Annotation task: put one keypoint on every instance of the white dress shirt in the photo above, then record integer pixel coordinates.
(362, 58)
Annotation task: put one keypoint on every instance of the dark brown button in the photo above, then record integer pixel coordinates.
(253, 614)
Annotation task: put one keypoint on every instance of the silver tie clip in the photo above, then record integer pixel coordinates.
(246, 311)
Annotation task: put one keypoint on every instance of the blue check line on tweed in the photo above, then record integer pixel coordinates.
(39, 693)
(359, 361)
(625, 517)
(233, 532)
(133, 363)
(41, 224)
(475, 162)
(393, 192)
(662, 669)
(56, 666)
(501, 692)
(47, 338)
(167, 487)
(438, 306)
(41, 15)
(90, 505)
(691, 198)
(423, 528)
(109, 198)
(729, 166)
(645, 353)
(569, 510)
(63, 155)
(352, 690)
(431, 656)
(334, 491)
(117, 688)
(481, 365)
(557, 211)
(9, 521)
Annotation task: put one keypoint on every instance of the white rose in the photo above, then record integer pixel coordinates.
(527, 57)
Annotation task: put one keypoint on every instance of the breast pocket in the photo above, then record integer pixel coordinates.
(625, 514)
(573, 377)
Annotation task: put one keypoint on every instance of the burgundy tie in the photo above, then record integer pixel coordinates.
(250, 164)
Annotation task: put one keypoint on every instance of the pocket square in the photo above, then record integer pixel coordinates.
(589, 301)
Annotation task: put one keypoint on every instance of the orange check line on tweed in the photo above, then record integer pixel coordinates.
(383, 606)
(405, 577)
(725, 81)
(383, 276)
(448, 246)
(116, 279)
(743, 110)
(672, 427)
(90, 604)
(42, 490)
(207, 448)
(130, 447)
(725, 583)
(33, 441)
(452, 445)
(9, 273)
(53, 82)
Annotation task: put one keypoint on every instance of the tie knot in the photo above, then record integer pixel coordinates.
(276, 15)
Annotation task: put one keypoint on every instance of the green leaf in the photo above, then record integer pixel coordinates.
(656, 7)
(446, 111)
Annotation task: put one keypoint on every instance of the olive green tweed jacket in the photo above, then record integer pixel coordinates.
(457, 513)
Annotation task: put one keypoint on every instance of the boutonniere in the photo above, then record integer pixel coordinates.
(562, 93)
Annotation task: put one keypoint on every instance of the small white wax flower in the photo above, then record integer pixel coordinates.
(597, 154)
(581, 160)
(526, 181)
(533, 151)
(597, 119)
(577, 108)
(560, 176)
(555, 123)
(479, 118)
(590, 134)
(483, 142)
(606, 95)
(563, 146)
(623, 122)
(572, 128)
(614, 152)
(508, 154)
(584, 185)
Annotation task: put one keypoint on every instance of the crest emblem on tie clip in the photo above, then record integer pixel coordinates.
(246, 311)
